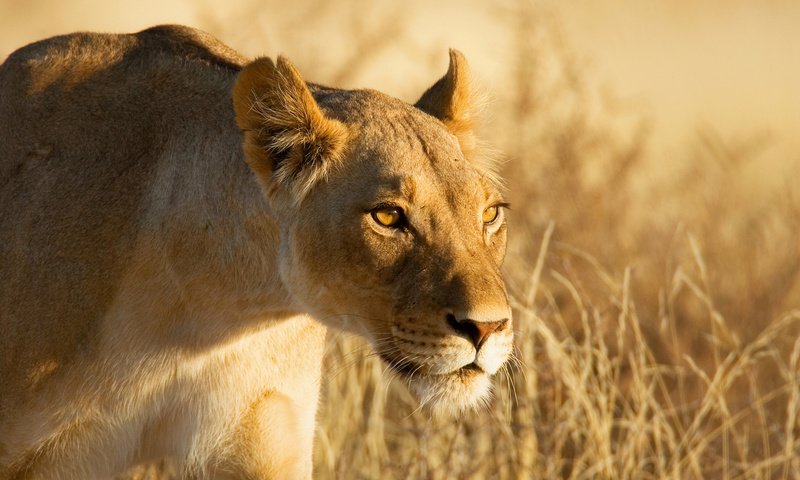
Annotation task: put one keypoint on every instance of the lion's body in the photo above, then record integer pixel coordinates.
(143, 303)
(96, 305)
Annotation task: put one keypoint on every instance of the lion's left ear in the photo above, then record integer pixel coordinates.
(452, 100)
(288, 141)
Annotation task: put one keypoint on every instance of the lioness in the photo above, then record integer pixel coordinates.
(178, 227)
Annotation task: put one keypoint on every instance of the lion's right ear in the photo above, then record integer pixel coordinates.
(288, 140)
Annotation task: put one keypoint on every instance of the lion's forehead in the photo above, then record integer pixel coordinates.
(385, 123)
(399, 152)
(417, 178)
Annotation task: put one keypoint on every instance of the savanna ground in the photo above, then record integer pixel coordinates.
(657, 308)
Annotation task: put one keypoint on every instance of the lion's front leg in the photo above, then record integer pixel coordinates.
(273, 440)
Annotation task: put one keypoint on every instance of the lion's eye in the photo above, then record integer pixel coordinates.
(490, 215)
(388, 216)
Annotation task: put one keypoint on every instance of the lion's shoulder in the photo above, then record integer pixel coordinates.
(87, 49)
(140, 61)
(191, 44)
(119, 94)
(93, 126)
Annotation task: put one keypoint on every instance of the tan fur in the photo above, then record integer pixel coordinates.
(167, 277)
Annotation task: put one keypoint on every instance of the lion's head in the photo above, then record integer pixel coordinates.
(390, 223)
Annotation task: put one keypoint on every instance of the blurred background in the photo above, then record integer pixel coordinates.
(652, 157)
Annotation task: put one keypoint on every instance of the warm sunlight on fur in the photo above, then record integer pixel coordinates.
(643, 156)
(184, 296)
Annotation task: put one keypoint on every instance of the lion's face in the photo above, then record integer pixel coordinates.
(400, 240)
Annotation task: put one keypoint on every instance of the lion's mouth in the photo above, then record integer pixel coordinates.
(408, 368)
(472, 366)
(453, 392)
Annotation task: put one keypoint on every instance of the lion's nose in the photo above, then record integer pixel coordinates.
(476, 331)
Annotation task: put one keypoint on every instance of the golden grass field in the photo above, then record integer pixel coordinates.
(654, 261)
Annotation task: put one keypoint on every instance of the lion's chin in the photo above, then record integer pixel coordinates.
(454, 393)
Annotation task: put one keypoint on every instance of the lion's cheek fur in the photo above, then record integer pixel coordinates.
(323, 277)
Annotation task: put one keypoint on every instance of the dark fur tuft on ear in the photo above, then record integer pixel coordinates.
(288, 141)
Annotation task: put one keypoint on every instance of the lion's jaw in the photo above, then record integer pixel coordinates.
(445, 371)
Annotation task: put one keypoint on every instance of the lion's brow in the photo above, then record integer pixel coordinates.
(408, 188)
(399, 186)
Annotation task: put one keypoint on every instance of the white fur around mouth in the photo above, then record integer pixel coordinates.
(454, 393)
(463, 389)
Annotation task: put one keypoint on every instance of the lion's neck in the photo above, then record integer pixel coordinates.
(216, 243)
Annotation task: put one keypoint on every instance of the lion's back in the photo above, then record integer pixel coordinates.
(60, 87)
(85, 120)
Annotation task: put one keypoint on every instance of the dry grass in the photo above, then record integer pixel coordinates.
(573, 410)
